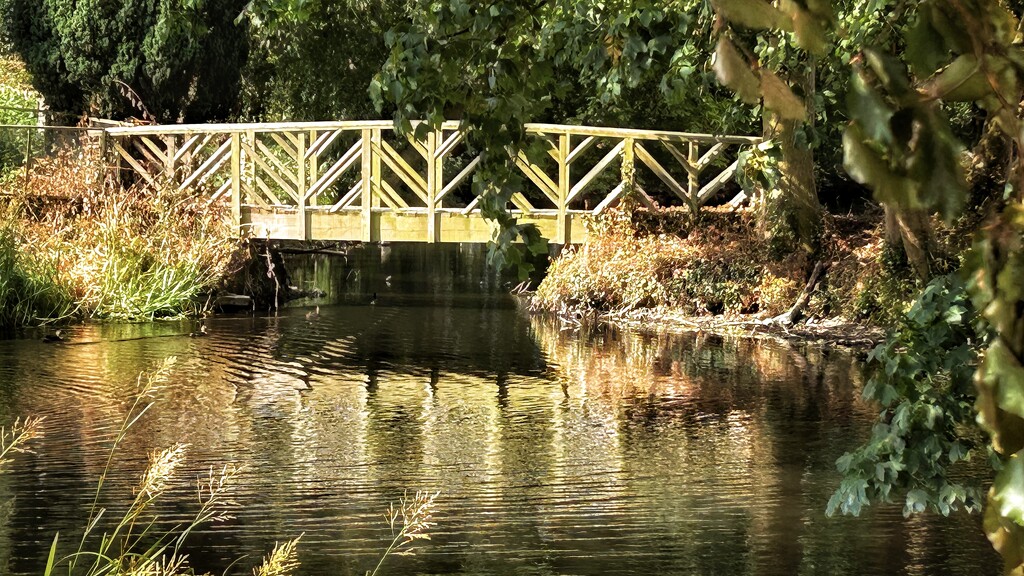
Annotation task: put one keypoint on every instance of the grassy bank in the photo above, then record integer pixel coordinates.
(719, 265)
(73, 246)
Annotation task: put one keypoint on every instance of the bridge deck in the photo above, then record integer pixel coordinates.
(361, 181)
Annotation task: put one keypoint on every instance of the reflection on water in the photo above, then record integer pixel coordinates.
(555, 453)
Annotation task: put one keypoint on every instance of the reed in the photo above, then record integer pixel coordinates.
(134, 253)
(136, 544)
(31, 287)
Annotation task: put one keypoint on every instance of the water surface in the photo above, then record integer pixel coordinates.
(554, 452)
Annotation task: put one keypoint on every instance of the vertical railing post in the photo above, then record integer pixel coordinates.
(693, 184)
(314, 165)
(367, 176)
(564, 143)
(236, 181)
(104, 150)
(628, 169)
(301, 186)
(170, 149)
(433, 182)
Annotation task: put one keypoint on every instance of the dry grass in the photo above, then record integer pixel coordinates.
(645, 260)
(124, 253)
(719, 265)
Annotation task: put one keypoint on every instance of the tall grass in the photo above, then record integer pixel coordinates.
(31, 287)
(133, 253)
(136, 544)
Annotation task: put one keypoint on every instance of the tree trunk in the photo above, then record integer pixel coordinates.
(909, 230)
(796, 210)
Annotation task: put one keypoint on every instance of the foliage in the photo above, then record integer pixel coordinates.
(168, 60)
(31, 289)
(285, 77)
(17, 100)
(997, 289)
(921, 377)
(640, 259)
(122, 254)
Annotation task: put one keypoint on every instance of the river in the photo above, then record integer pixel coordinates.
(554, 452)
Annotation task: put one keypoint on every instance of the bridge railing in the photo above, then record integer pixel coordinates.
(359, 180)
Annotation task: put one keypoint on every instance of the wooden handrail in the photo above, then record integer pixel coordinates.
(351, 170)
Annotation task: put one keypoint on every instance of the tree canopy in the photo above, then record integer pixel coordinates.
(166, 60)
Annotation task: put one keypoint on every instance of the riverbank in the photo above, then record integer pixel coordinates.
(664, 271)
(75, 243)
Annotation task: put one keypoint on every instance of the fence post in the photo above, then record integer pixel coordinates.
(236, 181)
(301, 186)
(104, 150)
(562, 235)
(433, 182)
(367, 177)
(693, 184)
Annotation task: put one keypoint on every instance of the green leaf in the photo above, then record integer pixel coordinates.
(53, 554)
(734, 72)
(753, 14)
(779, 98)
(869, 110)
(926, 50)
(810, 31)
(1008, 490)
(866, 166)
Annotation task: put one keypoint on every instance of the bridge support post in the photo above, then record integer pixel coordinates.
(301, 185)
(236, 181)
(563, 232)
(692, 183)
(433, 182)
(367, 180)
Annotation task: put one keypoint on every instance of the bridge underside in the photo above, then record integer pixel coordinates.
(411, 225)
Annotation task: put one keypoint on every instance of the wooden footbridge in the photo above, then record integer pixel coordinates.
(360, 181)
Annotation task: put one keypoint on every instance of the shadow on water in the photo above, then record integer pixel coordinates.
(556, 453)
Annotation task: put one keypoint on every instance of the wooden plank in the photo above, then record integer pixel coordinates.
(390, 196)
(449, 144)
(211, 165)
(187, 146)
(148, 156)
(580, 149)
(300, 180)
(562, 223)
(605, 132)
(346, 161)
(681, 158)
(347, 198)
(433, 182)
(268, 197)
(159, 153)
(271, 158)
(713, 153)
(219, 192)
(660, 172)
(323, 142)
(692, 184)
(454, 183)
(612, 197)
(521, 202)
(417, 145)
(236, 181)
(402, 169)
(367, 183)
(288, 188)
(287, 142)
(716, 184)
(134, 163)
(538, 177)
(595, 171)
(386, 124)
